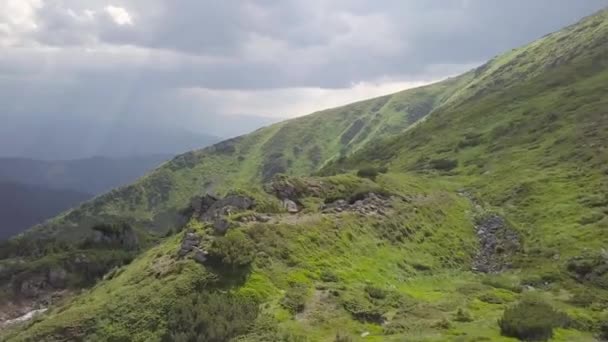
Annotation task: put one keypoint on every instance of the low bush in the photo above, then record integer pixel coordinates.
(329, 277)
(531, 320)
(463, 316)
(368, 172)
(295, 298)
(443, 164)
(211, 317)
(375, 292)
(364, 311)
(234, 249)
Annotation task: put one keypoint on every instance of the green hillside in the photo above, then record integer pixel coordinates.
(487, 217)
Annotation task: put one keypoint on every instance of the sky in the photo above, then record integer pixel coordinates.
(225, 67)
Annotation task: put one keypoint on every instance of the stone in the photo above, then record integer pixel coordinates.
(200, 255)
(57, 277)
(189, 242)
(221, 225)
(290, 206)
(33, 286)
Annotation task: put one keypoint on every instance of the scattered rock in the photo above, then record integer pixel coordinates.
(498, 242)
(367, 204)
(253, 217)
(33, 286)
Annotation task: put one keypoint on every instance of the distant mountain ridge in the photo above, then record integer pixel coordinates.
(22, 206)
(93, 175)
(77, 138)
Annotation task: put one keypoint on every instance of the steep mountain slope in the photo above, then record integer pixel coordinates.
(91, 175)
(297, 147)
(22, 206)
(536, 149)
(488, 225)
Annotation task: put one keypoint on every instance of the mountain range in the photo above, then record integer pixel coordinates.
(32, 191)
(472, 209)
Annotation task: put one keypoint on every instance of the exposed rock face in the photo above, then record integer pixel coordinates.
(221, 225)
(284, 188)
(57, 277)
(192, 243)
(370, 203)
(189, 241)
(214, 210)
(498, 242)
(33, 286)
(290, 206)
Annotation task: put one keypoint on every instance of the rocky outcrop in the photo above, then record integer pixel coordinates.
(365, 204)
(191, 243)
(294, 189)
(497, 244)
(215, 210)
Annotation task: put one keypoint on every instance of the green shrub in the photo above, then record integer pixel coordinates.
(234, 249)
(368, 172)
(443, 164)
(329, 277)
(210, 317)
(375, 292)
(463, 316)
(295, 298)
(364, 311)
(531, 320)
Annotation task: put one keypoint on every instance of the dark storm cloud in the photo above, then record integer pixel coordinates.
(291, 43)
(111, 57)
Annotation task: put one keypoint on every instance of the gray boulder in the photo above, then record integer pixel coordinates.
(290, 206)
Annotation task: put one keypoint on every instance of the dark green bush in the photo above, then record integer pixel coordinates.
(234, 249)
(443, 164)
(375, 292)
(210, 317)
(463, 316)
(329, 277)
(364, 311)
(531, 320)
(603, 330)
(368, 172)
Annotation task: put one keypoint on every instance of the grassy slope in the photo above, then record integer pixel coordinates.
(536, 150)
(530, 142)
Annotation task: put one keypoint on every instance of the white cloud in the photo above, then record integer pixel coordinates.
(17, 18)
(291, 102)
(119, 15)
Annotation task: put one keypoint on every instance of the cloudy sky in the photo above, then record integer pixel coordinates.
(217, 66)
